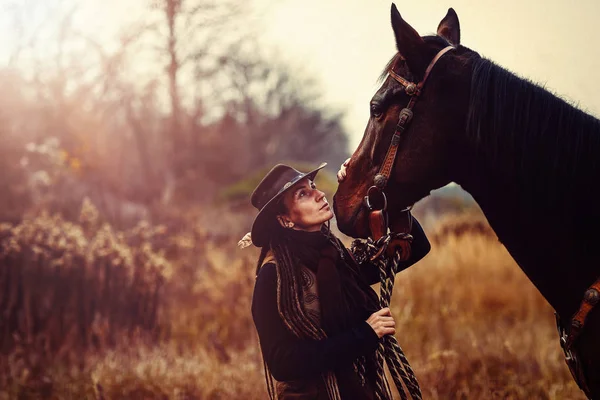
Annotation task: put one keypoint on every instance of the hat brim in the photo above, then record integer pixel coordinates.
(264, 220)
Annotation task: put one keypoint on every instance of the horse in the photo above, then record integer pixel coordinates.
(529, 159)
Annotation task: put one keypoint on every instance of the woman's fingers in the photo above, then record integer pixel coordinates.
(382, 322)
(387, 322)
(384, 311)
(341, 175)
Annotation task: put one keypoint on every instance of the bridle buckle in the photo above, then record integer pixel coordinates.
(371, 201)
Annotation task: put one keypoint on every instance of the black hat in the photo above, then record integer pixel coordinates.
(279, 180)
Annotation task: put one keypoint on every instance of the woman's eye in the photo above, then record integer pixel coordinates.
(301, 194)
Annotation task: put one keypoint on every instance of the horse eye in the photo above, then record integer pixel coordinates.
(376, 110)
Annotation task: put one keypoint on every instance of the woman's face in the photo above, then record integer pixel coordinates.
(307, 208)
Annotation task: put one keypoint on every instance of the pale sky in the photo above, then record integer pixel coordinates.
(346, 43)
(552, 42)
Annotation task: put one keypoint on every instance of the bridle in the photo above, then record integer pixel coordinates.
(376, 200)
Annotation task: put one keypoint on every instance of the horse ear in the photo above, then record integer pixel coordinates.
(409, 43)
(449, 28)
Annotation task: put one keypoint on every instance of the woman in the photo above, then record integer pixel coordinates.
(317, 317)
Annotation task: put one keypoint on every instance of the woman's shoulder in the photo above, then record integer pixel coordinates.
(265, 287)
(269, 258)
(267, 273)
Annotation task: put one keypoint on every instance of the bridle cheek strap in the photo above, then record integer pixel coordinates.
(378, 223)
(406, 114)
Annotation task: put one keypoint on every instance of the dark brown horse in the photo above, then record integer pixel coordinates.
(530, 160)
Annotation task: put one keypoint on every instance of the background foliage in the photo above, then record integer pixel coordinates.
(123, 193)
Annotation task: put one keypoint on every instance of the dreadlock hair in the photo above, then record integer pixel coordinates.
(290, 298)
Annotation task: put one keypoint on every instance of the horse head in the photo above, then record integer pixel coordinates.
(429, 147)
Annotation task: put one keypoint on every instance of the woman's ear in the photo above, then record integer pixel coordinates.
(284, 221)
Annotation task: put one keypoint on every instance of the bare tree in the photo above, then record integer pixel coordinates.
(193, 34)
(273, 113)
(211, 101)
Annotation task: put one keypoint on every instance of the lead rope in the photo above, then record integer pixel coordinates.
(389, 350)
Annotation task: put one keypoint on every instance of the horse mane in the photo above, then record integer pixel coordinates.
(547, 145)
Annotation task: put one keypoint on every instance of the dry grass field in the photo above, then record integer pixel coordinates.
(471, 324)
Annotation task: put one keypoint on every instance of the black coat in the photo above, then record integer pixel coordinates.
(301, 362)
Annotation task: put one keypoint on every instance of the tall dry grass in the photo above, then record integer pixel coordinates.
(470, 322)
(69, 289)
(474, 326)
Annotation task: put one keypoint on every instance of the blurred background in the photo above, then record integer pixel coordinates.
(131, 135)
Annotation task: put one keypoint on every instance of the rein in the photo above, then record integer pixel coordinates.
(396, 247)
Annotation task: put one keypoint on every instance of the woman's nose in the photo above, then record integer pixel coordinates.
(320, 195)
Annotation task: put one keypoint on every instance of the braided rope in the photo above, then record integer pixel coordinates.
(389, 349)
(382, 388)
(394, 348)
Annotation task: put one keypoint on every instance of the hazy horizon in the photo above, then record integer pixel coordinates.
(345, 44)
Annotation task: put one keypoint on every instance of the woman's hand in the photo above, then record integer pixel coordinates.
(382, 322)
(341, 175)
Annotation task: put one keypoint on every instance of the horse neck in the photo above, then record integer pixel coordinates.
(544, 224)
(543, 243)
